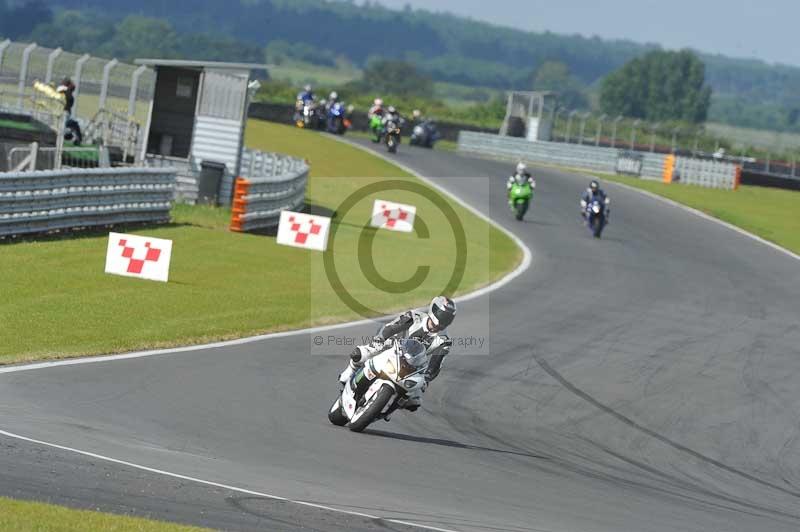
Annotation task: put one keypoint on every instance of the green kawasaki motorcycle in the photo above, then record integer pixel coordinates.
(519, 198)
(376, 127)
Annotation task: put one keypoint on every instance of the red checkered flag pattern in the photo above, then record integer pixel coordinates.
(393, 216)
(138, 256)
(304, 230)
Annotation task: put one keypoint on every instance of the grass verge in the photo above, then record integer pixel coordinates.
(24, 516)
(767, 212)
(57, 302)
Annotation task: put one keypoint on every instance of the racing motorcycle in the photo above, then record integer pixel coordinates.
(376, 126)
(307, 115)
(392, 377)
(519, 198)
(596, 217)
(391, 133)
(424, 134)
(338, 121)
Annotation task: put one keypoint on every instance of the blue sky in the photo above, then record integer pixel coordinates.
(765, 29)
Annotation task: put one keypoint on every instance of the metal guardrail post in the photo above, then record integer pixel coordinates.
(584, 118)
(33, 156)
(134, 88)
(600, 121)
(653, 131)
(569, 124)
(62, 125)
(51, 59)
(617, 120)
(23, 71)
(106, 79)
(3, 46)
(633, 133)
(76, 79)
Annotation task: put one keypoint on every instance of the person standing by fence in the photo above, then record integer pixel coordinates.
(73, 129)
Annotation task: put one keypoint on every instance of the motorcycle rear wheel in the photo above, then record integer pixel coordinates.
(372, 410)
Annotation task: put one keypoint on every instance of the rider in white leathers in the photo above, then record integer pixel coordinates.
(427, 327)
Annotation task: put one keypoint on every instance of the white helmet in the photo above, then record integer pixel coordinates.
(521, 168)
(378, 102)
(307, 88)
(441, 312)
(333, 96)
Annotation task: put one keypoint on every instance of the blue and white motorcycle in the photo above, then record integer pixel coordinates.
(338, 120)
(595, 215)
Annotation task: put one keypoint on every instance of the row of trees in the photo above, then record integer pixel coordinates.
(442, 48)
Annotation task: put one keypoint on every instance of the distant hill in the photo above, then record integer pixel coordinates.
(450, 48)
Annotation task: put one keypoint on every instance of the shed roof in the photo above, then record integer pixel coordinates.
(215, 65)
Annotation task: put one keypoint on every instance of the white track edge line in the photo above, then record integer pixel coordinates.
(706, 216)
(212, 483)
(520, 269)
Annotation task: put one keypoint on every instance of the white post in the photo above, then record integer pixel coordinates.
(584, 118)
(569, 123)
(633, 133)
(134, 88)
(23, 71)
(653, 137)
(106, 79)
(76, 79)
(59, 153)
(3, 46)
(51, 59)
(33, 156)
(614, 131)
(599, 128)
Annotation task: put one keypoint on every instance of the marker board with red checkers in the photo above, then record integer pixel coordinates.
(138, 256)
(393, 216)
(304, 230)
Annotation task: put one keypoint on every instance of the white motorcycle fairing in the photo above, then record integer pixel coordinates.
(389, 368)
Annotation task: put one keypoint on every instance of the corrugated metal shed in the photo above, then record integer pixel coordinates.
(218, 118)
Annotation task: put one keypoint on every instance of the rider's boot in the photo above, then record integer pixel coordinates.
(348, 372)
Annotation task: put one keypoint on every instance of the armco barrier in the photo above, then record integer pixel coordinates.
(686, 170)
(707, 173)
(255, 164)
(258, 202)
(571, 155)
(44, 201)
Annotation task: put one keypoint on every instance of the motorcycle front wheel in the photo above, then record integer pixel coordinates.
(336, 415)
(520, 208)
(372, 409)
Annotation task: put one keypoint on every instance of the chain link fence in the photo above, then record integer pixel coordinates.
(22, 64)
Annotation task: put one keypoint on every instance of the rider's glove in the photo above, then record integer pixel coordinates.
(378, 340)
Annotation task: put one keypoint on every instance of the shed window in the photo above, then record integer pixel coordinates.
(184, 88)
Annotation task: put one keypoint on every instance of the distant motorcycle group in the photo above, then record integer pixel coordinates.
(329, 115)
(385, 122)
(594, 202)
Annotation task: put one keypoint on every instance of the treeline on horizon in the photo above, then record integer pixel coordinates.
(444, 47)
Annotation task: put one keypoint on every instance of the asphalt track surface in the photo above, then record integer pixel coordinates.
(646, 382)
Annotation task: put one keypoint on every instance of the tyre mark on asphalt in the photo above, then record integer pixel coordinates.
(653, 434)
